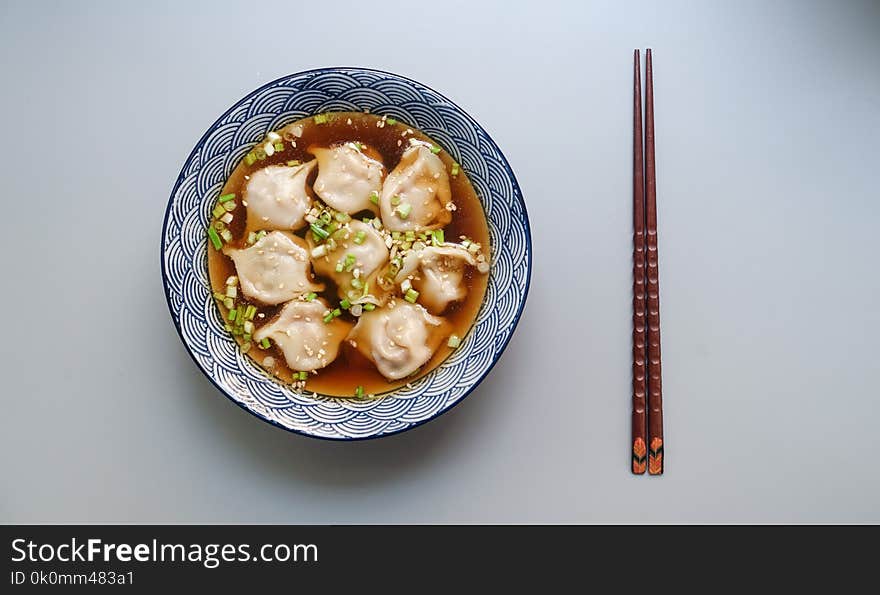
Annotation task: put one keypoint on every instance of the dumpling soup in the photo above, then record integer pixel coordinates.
(348, 254)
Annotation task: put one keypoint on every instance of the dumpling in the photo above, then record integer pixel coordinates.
(437, 273)
(416, 194)
(307, 342)
(276, 197)
(275, 269)
(399, 338)
(347, 178)
(361, 252)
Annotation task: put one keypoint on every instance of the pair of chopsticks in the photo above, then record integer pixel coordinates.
(647, 394)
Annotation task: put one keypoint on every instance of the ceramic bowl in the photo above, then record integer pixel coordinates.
(184, 252)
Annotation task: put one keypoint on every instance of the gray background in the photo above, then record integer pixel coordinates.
(767, 124)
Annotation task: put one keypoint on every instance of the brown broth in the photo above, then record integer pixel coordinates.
(351, 369)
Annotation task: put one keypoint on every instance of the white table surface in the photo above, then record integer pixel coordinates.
(767, 120)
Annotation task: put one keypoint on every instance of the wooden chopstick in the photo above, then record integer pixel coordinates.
(639, 451)
(655, 385)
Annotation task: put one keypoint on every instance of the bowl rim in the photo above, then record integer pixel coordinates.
(165, 282)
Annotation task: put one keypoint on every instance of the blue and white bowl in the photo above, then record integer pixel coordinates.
(184, 251)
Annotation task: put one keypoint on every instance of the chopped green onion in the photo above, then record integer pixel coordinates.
(345, 304)
(339, 266)
(226, 197)
(247, 337)
(219, 296)
(261, 234)
(279, 146)
(233, 313)
(454, 341)
(229, 206)
(226, 235)
(406, 245)
(395, 235)
(250, 158)
(465, 243)
(229, 303)
(360, 237)
(455, 169)
(349, 261)
(231, 280)
(320, 233)
(411, 296)
(311, 297)
(218, 211)
(215, 239)
(343, 217)
(404, 210)
(357, 283)
(302, 375)
(248, 327)
(331, 244)
(328, 317)
(326, 217)
(374, 197)
(218, 225)
(395, 200)
(231, 291)
(293, 163)
(247, 345)
(369, 307)
(359, 392)
(437, 237)
(321, 119)
(410, 236)
(265, 343)
(435, 149)
(252, 237)
(367, 220)
(260, 153)
(250, 312)
(390, 121)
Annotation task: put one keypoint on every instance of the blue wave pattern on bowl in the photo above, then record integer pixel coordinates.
(184, 251)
